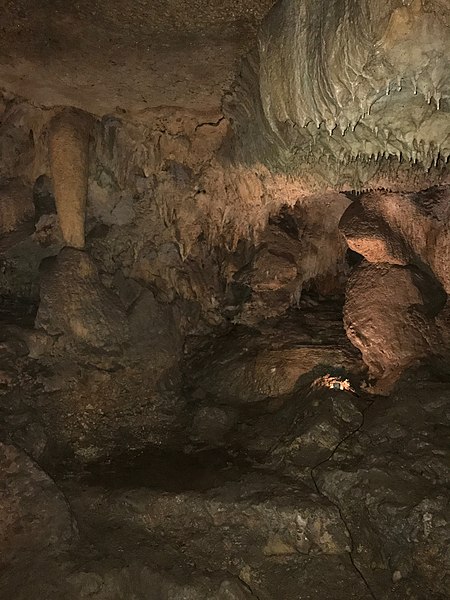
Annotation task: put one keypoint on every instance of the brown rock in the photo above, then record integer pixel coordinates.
(402, 229)
(16, 205)
(368, 234)
(439, 254)
(75, 303)
(385, 317)
(34, 515)
(69, 160)
(240, 371)
(301, 244)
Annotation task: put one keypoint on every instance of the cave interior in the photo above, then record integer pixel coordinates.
(224, 326)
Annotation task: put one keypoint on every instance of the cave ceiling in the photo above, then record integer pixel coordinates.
(113, 56)
(351, 94)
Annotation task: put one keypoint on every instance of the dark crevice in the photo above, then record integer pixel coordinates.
(247, 587)
(210, 123)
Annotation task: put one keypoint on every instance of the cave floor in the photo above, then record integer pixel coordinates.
(285, 490)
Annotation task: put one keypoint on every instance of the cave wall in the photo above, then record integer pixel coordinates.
(165, 207)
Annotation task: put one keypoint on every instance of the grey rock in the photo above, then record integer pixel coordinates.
(392, 491)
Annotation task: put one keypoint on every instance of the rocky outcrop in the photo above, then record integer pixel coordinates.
(322, 418)
(74, 303)
(387, 317)
(244, 527)
(69, 162)
(248, 367)
(402, 229)
(389, 480)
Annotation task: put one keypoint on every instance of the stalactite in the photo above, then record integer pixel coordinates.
(69, 163)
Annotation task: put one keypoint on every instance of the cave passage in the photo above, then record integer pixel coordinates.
(224, 319)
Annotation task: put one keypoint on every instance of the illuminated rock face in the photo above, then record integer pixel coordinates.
(345, 86)
(387, 319)
(402, 229)
(69, 159)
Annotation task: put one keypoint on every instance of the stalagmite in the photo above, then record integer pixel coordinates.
(69, 161)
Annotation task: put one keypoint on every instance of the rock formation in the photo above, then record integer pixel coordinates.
(401, 229)
(386, 317)
(74, 303)
(224, 315)
(69, 161)
(16, 206)
(325, 94)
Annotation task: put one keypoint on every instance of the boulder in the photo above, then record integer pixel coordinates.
(369, 235)
(75, 303)
(402, 228)
(387, 318)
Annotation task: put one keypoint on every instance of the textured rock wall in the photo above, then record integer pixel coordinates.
(342, 91)
(16, 205)
(402, 229)
(159, 202)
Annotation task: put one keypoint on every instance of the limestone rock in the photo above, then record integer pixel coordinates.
(301, 245)
(16, 205)
(75, 303)
(153, 329)
(228, 514)
(249, 367)
(323, 418)
(439, 254)
(95, 416)
(385, 317)
(390, 481)
(69, 160)
(317, 115)
(19, 275)
(443, 326)
(34, 516)
(402, 229)
(369, 235)
(211, 424)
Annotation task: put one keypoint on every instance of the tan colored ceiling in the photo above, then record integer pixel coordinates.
(110, 56)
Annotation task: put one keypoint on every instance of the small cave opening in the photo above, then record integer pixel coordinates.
(224, 319)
